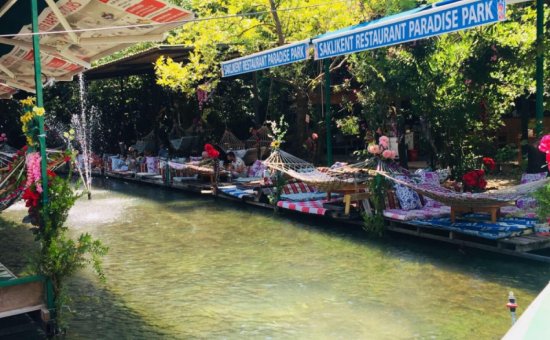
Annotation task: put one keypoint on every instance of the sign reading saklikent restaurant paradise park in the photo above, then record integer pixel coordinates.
(275, 57)
(423, 24)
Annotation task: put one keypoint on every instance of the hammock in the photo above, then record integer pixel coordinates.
(494, 198)
(184, 143)
(259, 139)
(306, 172)
(230, 142)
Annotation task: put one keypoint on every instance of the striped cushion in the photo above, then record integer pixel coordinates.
(310, 207)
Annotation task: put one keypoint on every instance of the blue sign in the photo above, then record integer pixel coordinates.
(426, 23)
(266, 59)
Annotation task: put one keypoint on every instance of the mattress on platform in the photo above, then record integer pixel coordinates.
(233, 191)
(480, 225)
(308, 207)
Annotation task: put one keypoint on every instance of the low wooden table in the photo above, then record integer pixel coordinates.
(459, 210)
(350, 196)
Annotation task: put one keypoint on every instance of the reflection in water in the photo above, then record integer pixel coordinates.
(183, 266)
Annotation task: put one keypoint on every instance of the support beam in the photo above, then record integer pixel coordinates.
(64, 55)
(15, 84)
(122, 39)
(6, 7)
(7, 71)
(540, 69)
(328, 118)
(62, 20)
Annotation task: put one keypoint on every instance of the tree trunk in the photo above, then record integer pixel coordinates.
(257, 114)
(278, 26)
(301, 109)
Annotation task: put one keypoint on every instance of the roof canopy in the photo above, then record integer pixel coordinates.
(96, 28)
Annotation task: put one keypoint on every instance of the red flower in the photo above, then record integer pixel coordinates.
(544, 145)
(489, 163)
(31, 198)
(211, 151)
(470, 178)
(51, 174)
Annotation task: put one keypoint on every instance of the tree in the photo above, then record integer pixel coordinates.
(458, 84)
(273, 23)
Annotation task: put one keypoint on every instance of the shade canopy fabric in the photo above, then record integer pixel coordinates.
(97, 28)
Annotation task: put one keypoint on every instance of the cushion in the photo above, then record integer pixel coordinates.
(528, 178)
(407, 197)
(257, 169)
(416, 214)
(526, 203)
(432, 178)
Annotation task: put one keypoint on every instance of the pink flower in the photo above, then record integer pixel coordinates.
(468, 81)
(544, 145)
(374, 149)
(384, 141)
(389, 154)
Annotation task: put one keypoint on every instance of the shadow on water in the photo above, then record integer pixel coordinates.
(502, 269)
(17, 246)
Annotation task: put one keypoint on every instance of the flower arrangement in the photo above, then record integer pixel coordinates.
(474, 180)
(28, 119)
(211, 152)
(544, 146)
(489, 164)
(382, 150)
(278, 132)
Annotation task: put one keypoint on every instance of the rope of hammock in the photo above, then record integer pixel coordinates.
(306, 172)
(465, 199)
(230, 142)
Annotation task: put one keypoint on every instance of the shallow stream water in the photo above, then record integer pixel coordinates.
(185, 266)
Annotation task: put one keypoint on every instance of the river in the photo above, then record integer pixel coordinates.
(184, 266)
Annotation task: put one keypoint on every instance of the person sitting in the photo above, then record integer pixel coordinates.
(237, 166)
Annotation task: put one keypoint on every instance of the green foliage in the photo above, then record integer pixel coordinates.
(458, 84)
(374, 223)
(61, 256)
(349, 125)
(543, 203)
(506, 153)
(280, 182)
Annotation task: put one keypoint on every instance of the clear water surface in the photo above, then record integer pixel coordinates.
(185, 266)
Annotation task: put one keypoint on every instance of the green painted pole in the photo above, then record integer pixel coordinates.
(540, 69)
(328, 118)
(39, 100)
(50, 298)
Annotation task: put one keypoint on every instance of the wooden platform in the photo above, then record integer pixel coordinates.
(518, 246)
(526, 243)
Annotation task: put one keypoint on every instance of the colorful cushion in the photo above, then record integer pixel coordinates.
(310, 207)
(296, 188)
(528, 178)
(407, 197)
(257, 169)
(416, 214)
(432, 178)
